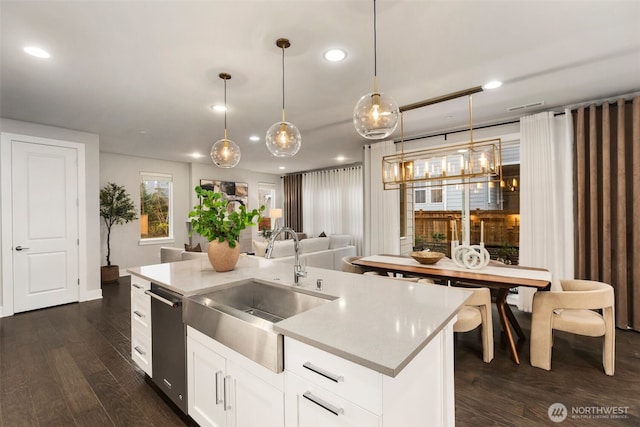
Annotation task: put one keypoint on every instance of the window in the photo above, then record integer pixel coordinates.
(436, 195)
(156, 207)
(497, 204)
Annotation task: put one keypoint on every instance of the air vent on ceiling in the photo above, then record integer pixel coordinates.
(526, 106)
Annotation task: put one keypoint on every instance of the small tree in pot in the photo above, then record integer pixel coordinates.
(214, 220)
(116, 207)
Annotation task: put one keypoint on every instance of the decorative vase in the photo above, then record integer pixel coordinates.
(109, 273)
(223, 257)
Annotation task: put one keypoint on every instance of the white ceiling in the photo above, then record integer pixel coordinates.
(142, 74)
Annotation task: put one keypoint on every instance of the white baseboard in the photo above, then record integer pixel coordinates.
(93, 295)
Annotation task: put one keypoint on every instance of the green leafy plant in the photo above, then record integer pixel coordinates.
(214, 220)
(437, 237)
(116, 207)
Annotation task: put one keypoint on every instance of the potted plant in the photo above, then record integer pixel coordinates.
(217, 222)
(116, 207)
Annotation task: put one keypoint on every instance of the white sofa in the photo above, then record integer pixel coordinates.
(321, 252)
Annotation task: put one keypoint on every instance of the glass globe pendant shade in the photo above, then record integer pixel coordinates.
(283, 139)
(225, 153)
(375, 116)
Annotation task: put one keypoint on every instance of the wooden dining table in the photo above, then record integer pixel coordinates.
(496, 275)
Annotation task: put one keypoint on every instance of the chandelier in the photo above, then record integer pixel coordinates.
(472, 162)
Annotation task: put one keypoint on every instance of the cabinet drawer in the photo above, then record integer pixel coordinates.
(346, 379)
(312, 405)
(141, 312)
(141, 351)
(139, 285)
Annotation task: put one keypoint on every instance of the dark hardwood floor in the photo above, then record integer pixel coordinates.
(71, 365)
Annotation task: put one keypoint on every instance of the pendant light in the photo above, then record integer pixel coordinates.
(375, 116)
(225, 153)
(283, 138)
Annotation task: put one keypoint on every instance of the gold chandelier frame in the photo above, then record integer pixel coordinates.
(471, 162)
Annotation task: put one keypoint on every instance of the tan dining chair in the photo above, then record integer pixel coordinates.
(573, 310)
(476, 312)
(349, 267)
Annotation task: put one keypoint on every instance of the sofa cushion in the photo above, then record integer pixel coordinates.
(339, 240)
(281, 248)
(314, 244)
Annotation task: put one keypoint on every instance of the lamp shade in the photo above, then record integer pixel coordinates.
(283, 139)
(375, 116)
(225, 153)
(275, 213)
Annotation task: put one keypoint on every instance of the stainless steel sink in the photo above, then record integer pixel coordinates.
(241, 316)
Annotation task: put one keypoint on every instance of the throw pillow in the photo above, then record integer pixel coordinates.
(189, 248)
(322, 234)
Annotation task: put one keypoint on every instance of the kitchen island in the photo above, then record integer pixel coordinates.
(380, 353)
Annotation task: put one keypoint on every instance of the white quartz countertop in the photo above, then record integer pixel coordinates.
(377, 322)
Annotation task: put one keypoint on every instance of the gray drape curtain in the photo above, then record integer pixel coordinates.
(607, 226)
(293, 202)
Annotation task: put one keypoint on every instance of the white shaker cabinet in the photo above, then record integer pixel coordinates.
(141, 324)
(227, 389)
(326, 390)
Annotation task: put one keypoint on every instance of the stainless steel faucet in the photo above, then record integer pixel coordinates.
(298, 270)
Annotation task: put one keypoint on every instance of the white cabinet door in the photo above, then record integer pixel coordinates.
(205, 378)
(254, 402)
(226, 389)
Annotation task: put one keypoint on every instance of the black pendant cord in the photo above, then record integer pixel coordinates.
(375, 42)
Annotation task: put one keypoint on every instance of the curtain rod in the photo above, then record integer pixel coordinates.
(417, 137)
(328, 168)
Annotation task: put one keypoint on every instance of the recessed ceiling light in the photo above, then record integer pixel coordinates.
(218, 108)
(282, 168)
(197, 155)
(340, 158)
(493, 84)
(335, 55)
(37, 52)
(254, 138)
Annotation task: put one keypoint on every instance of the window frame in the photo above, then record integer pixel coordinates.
(157, 176)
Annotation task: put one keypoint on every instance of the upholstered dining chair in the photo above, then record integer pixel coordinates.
(349, 267)
(573, 310)
(476, 312)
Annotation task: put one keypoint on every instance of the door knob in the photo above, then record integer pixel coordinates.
(19, 248)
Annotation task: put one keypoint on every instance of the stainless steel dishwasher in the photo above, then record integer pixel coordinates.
(168, 343)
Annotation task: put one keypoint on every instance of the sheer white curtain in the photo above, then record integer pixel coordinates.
(546, 198)
(381, 208)
(332, 202)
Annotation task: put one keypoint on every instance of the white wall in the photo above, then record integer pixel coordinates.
(125, 170)
(91, 142)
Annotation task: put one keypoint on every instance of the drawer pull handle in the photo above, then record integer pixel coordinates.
(226, 405)
(321, 403)
(137, 313)
(320, 371)
(218, 400)
(135, 285)
(139, 350)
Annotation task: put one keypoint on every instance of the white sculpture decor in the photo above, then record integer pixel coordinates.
(472, 257)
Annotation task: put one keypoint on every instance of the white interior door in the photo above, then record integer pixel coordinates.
(45, 225)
